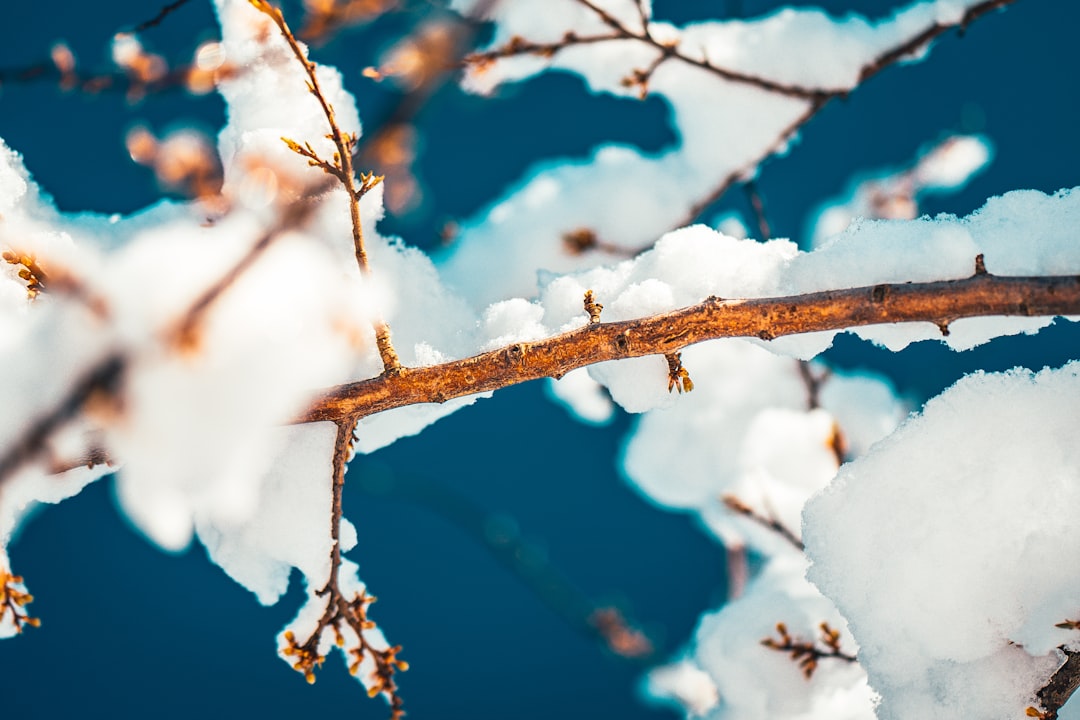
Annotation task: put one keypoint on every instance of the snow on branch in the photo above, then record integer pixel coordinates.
(940, 303)
(725, 127)
(341, 167)
(344, 610)
(950, 549)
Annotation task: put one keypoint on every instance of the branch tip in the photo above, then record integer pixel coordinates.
(678, 376)
(341, 168)
(592, 307)
(13, 601)
(808, 654)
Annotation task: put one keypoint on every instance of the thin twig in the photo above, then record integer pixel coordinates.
(105, 377)
(817, 98)
(813, 382)
(808, 653)
(884, 60)
(721, 188)
(177, 79)
(162, 14)
(938, 302)
(671, 51)
(738, 506)
(346, 612)
(185, 333)
(343, 161)
(757, 204)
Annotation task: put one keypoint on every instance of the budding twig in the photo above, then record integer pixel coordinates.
(808, 654)
(342, 169)
(592, 307)
(13, 601)
(344, 613)
(738, 506)
(678, 377)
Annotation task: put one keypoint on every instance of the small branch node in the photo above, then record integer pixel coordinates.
(592, 307)
(30, 272)
(678, 377)
(391, 363)
(579, 241)
(980, 265)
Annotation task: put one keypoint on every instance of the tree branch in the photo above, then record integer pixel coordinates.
(161, 15)
(887, 58)
(939, 302)
(736, 505)
(808, 653)
(345, 615)
(1059, 688)
(343, 165)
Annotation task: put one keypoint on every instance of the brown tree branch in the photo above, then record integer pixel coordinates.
(939, 302)
(806, 653)
(816, 98)
(738, 506)
(343, 162)
(887, 58)
(161, 15)
(344, 612)
(671, 51)
(1059, 688)
(105, 379)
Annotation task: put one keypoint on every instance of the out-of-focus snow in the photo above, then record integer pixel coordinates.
(725, 127)
(943, 167)
(290, 524)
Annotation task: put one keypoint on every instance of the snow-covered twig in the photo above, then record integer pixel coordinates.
(343, 162)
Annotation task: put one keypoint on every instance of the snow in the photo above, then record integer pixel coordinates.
(940, 554)
(945, 166)
(520, 232)
(755, 682)
(583, 397)
(949, 547)
(290, 522)
(747, 432)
